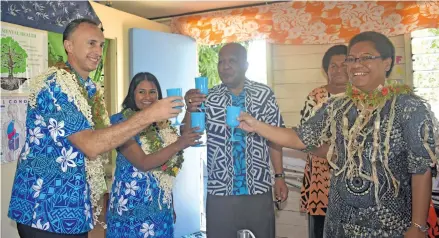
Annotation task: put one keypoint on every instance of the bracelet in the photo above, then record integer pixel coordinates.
(282, 175)
(421, 228)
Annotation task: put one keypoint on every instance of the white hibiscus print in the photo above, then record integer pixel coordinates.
(35, 135)
(26, 151)
(56, 129)
(86, 193)
(39, 120)
(122, 205)
(137, 173)
(131, 188)
(66, 160)
(34, 216)
(87, 212)
(118, 187)
(37, 187)
(147, 230)
(40, 226)
(112, 201)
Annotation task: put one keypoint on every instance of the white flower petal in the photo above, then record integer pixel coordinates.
(60, 159)
(73, 155)
(69, 152)
(71, 163)
(64, 167)
(61, 132)
(46, 226)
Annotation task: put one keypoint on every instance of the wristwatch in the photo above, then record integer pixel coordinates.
(421, 228)
(282, 175)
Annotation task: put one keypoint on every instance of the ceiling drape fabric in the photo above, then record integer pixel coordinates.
(325, 22)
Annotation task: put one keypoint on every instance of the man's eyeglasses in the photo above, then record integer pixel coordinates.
(361, 59)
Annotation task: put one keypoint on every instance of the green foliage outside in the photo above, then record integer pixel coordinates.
(435, 43)
(57, 54)
(426, 66)
(14, 57)
(208, 62)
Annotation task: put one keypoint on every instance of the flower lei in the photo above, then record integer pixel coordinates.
(93, 109)
(373, 103)
(378, 96)
(153, 139)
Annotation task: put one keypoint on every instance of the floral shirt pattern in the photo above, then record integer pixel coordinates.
(136, 207)
(50, 190)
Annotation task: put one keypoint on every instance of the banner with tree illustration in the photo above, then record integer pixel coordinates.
(23, 56)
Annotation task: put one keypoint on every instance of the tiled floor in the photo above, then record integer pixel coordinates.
(290, 222)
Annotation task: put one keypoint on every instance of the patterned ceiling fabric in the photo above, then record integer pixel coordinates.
(46, 15)
(308, 22)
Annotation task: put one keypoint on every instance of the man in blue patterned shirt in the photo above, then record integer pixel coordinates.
(239, 178)
(51, 193)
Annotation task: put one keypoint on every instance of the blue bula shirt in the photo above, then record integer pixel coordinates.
(50, 190)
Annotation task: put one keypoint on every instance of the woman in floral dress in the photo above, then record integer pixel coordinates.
(141, 197)
(315, 187)
(384, 140)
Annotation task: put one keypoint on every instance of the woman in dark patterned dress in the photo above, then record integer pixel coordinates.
(315, 187)
(385, 142)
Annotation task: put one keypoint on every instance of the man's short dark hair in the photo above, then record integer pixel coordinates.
(334, 50)
(71, 27)
(241, 51)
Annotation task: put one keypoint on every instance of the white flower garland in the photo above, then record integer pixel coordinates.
(164, 180)
(69, 85)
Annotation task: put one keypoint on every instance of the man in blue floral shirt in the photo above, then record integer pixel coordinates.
(239, 178)
(51, 192)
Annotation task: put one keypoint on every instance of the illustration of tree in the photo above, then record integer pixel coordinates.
(14, 57)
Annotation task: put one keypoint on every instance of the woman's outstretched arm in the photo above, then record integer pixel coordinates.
(281, 136)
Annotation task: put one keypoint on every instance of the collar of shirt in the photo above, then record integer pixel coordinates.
(87, 84)
(247, 84)
(240, 95)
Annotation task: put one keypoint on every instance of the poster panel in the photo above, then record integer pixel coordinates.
(12, 126)
(23, 56)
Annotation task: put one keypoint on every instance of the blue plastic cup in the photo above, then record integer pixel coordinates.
(171, 92)
(201, 83)
(198, 119)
